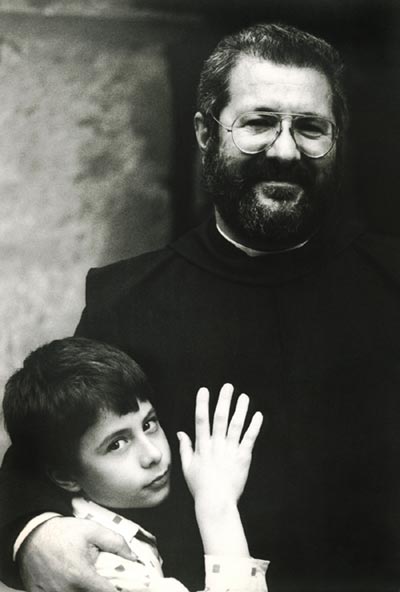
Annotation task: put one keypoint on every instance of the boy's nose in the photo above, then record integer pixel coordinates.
(284, 147)
(150, 454)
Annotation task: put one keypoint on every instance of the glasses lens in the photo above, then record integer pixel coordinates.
(253, 132)
(314, 136)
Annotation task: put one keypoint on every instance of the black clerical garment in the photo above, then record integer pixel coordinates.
(313, 336)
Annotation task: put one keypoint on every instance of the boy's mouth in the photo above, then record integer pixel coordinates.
(160, 481)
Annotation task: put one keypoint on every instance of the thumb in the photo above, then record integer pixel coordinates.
(112, 542)
(185, 449)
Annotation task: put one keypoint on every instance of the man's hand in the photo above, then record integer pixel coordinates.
(59, 556)
(217, 470)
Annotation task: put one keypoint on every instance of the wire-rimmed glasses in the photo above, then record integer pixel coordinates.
(255, 131)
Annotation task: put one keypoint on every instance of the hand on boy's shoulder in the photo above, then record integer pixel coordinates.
(60, 556)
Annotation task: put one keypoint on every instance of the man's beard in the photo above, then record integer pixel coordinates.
(266, 203)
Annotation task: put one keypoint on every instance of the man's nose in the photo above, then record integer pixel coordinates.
(150, 453)
(284, 147)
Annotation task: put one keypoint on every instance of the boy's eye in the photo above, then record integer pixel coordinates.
(117, 445)
(151, 425)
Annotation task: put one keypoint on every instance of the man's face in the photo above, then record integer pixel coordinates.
(278, 197)
(124, 460)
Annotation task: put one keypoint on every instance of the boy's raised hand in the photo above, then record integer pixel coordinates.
(216, 470)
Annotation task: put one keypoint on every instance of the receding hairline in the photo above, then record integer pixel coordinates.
(280, 44)
(290, 83)
(254, 59)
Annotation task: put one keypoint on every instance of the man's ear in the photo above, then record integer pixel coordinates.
(62, 479)
(202, 131)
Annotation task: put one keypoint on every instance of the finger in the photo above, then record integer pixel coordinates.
(185, 449)
(93, 582)
(112, 542)
(221, 415)
(252, 431)
(239, 417)
(202, 422)
(160, 584)
(125, 575)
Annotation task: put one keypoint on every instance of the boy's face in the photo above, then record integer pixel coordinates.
(124, 461)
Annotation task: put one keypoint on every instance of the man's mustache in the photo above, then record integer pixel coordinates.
(242, 176)
(258, 171)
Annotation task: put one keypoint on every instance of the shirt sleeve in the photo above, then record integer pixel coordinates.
(133, 576)
(235, 574)
(29, 527)
(123, 574)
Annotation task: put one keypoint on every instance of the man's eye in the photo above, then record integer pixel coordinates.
(117, 445)
(260, 123)
(151, 425)
(311, 127)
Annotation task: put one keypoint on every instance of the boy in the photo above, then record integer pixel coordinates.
(79, 413)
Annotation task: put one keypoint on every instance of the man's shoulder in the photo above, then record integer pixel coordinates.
(118, 278)
(383, 251)
(129, 269)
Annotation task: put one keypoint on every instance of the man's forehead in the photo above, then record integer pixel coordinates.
(254, 81)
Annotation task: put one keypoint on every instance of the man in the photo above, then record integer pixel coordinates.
(286, 296)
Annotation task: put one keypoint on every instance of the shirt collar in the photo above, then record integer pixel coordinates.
(254, 252)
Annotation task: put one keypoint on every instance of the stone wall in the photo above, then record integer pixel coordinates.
(85, 156)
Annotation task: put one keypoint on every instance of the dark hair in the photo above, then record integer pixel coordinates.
(60, 391)
(280, 44)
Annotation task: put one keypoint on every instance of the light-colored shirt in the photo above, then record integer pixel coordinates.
(222, 573)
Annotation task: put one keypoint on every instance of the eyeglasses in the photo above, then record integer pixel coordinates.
(255, 131)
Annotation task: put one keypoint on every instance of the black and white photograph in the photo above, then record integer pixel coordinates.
(200, 296)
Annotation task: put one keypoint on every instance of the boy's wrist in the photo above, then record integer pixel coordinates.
(215, 510)
(221, 529)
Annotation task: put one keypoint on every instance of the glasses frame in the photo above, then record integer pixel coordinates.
(281, 115)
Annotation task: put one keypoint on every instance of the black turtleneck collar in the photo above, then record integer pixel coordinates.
(205, 247)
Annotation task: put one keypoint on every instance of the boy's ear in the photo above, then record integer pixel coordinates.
(62, 479)
(202, 131)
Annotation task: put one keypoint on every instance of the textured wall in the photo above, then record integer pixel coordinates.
(84, 162)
